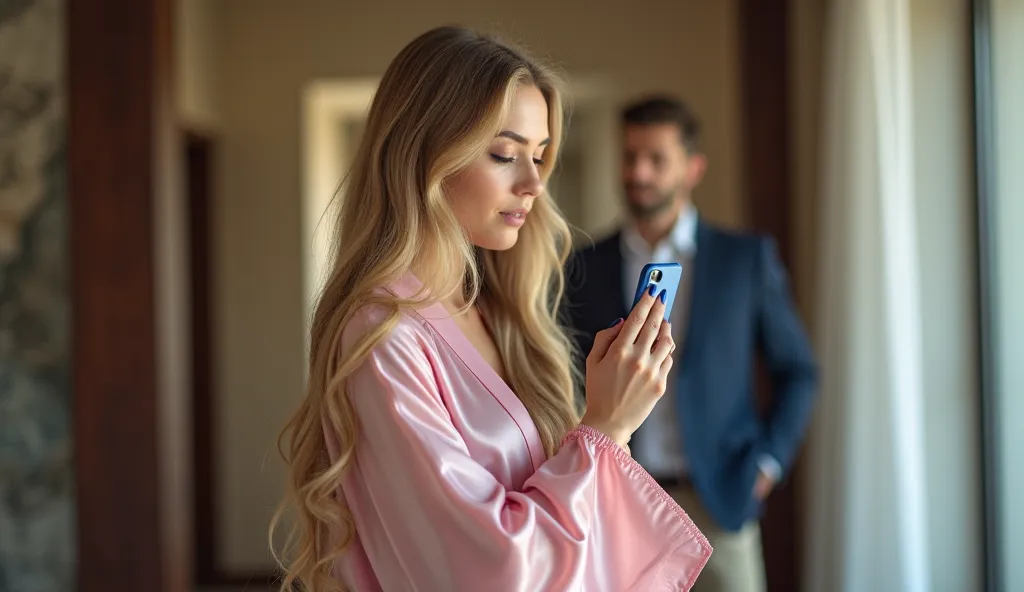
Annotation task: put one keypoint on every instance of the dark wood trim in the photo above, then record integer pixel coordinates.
(764, 39)
(765, 103)
(984, 182)
(120, 166)
(199, 166)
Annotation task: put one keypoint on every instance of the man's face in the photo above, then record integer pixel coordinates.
(656, 168)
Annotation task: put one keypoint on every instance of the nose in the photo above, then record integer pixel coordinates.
(529, 183)
(637, 171)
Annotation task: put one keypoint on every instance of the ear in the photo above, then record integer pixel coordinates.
(696, 166)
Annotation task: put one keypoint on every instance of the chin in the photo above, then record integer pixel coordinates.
(498, 241)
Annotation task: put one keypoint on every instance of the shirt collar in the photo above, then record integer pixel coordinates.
(682, 237)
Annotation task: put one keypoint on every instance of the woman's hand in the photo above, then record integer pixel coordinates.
(627, 369)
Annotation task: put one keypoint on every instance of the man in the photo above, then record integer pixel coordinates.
(705, 441)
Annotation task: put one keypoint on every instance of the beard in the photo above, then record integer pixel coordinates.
(663, 200)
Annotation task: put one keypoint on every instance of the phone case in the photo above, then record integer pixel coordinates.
(664, 276)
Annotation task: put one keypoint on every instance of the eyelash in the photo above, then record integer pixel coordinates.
(510, 160)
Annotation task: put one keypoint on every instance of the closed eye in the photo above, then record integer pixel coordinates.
(511, 159)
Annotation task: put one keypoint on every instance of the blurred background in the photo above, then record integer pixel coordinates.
(165, 164)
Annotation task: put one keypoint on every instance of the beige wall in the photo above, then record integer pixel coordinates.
(270, 52)
(197, 63)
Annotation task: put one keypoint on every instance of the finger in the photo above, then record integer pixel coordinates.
(603, 340)
(638, 316)
(666, 364)
(664, 345)
(652, 326)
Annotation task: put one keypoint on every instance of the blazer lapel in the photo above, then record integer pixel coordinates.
(616, 281)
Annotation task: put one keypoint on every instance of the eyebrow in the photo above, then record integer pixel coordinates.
(520, 139)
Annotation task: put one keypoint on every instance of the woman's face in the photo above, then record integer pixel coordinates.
(492, 198)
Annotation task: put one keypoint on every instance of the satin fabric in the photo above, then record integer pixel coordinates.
(450, 489)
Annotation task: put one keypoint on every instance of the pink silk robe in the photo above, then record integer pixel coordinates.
(451, 491)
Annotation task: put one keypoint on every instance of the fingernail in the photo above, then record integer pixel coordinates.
(662, 296)
(651, 290)
(615, 322)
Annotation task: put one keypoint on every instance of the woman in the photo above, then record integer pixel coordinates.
(438, 446)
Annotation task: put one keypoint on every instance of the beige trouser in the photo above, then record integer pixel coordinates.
(737, 563)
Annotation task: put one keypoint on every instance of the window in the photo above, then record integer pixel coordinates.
(999, 45)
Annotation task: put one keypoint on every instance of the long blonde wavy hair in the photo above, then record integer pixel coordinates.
(439, 105)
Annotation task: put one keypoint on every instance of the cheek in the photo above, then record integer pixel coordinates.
(671, 179)
(477, 194)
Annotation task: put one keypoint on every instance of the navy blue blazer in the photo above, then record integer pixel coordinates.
(740, 306)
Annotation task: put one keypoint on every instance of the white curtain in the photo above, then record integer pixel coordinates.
(866, 482)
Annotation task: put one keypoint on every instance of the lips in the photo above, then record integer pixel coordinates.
(517, 213)
(515, 218)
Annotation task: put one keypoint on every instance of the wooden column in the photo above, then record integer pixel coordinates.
(130, 418)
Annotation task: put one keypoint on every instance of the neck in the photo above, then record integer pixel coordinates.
(655, 228)
(452, 301)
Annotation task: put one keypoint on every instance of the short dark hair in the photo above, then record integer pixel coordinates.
(656, 109)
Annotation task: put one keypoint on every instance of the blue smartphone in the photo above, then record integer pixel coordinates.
(663, 276)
